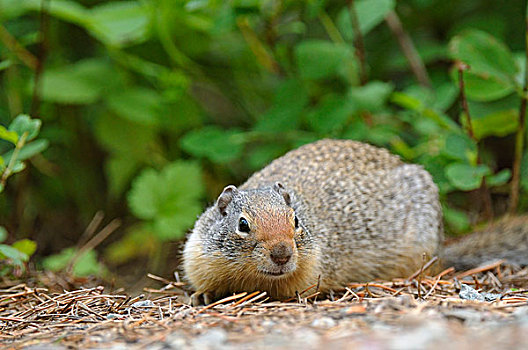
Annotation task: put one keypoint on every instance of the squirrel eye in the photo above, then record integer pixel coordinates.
(243, 225)
(296, 222)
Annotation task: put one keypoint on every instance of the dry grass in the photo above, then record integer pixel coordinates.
(92, 317)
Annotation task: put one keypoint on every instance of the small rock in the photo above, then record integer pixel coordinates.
(323, 322)
(212, 339)
(143, 303)
(469, 293)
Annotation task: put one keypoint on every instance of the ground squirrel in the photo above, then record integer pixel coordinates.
(330, 212)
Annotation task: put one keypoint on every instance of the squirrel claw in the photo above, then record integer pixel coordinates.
(201, 298)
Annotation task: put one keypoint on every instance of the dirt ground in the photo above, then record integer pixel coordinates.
(421, 312)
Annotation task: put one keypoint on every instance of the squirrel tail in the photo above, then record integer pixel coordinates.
(505, 239)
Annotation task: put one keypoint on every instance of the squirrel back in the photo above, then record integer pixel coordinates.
(329, 213)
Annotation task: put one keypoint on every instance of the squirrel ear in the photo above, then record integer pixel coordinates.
(225, 198)
(283, 192)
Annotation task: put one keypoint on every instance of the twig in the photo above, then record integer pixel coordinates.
(20, 51)
(480, 269)
(330, 28)
(7, 172)
(264, 57)
(358, 42)
(408, 49)
(94, 242)
(424, 267)
(521, 130)
(486, 196)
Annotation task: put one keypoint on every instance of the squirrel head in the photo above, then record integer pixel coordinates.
(258, 231)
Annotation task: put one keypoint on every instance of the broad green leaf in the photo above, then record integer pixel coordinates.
(483, 88)
(414, 104)
(170, 198)
(81, 83)
(3, 234)
(121, 137)
(289, 102)
(466, 177)
(460, 147)
(370, 97)
(331, 114)
(262, 154)
(318, 59)
(24, 124)
(5, 64)
(25, 246)
(120, 23)
(218, 145)
(8, 252)
(457, 220)
(85, 265)
(499, 178)
(10, 136)
(119, 170)
(490, 61)
(369, 13)
(139, 105)
(28, 150)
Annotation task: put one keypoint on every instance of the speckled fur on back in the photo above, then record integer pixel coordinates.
(363, 214)
(372, 215)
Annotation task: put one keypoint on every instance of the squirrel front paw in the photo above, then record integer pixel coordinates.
(201, 298)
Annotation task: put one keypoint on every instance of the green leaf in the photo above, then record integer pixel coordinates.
(218, 145)
(28, 150)
(466, 177)
(289, 102)
(500, 123)
(318, 59)
(169, 198)
(483, 88)
(10, 136)
(460, 147)
(23, 123)
(120, 23)
(25, 246)
(121, 137)
(370, 97)
(81, 83)
(8, 252)
(330, 114)
(119, 170)
(85, 265)
(369, 13)
(3, 234)
(492, 68)
(457, 220)
(139, 105)
(501, 178)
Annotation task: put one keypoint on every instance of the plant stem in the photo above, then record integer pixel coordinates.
(486, 196)
(330, 28)
(519, 137)
(20, 51)
(7, 172)
(264, 57)
(408, 49)
(358, 43)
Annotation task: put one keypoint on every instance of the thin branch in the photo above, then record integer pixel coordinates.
(519, 137)
(408, 49)
(330, 28)
(8, 171)
(486, 196)
(264, 57)
(20, 51)
(358, 42)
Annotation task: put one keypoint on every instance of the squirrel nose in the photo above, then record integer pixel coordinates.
(281, 253)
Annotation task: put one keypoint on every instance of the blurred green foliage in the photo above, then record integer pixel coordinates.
(152, 106)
